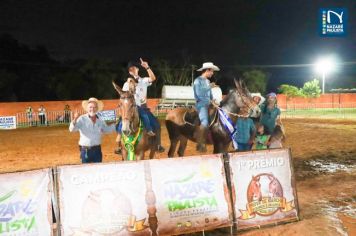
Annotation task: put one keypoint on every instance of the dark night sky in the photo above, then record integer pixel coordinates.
(226, 32)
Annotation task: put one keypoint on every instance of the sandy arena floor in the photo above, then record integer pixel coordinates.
(324, 158)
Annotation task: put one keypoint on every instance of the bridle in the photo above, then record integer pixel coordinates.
(129, 98)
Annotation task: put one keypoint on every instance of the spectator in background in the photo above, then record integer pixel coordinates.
(270, 113)
(245, 133)
(67, 112)
(91, 128)
(29, 114)
(261, 139)
(42, 115)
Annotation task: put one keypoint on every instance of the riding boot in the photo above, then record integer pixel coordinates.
(201, 139)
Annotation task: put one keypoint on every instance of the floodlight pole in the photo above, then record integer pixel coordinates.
(193, 74)
(323, 82)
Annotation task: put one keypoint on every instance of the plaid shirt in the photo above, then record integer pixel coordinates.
(244, 128)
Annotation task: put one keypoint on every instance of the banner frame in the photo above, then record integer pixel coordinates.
(268, 224)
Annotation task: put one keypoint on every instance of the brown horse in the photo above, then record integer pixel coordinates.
(237, 103)
(134, 136)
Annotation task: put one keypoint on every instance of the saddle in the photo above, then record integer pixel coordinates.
(191, 116)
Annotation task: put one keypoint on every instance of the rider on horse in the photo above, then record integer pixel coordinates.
(138, 86)
(203, 96)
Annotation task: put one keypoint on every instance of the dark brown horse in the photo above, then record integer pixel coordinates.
(134, 137)
(237, 103)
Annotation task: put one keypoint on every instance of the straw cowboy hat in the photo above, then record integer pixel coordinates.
(209, 65)
(100, 104)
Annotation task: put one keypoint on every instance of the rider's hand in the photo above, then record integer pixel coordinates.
(213, 85)
(75, 117)
(144, 64)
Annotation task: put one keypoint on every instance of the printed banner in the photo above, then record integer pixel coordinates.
(107, 115)
(263, 187)
(7, 122)
(103, 199)
(25, 203)
(191, 194)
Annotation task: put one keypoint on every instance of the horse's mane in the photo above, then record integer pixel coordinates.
(226, 98)
(239, 88)
(126, 95)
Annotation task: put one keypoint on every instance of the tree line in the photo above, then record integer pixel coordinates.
(31, 74)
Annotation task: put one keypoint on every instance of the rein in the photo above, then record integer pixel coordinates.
(130, 142)
(230, 113)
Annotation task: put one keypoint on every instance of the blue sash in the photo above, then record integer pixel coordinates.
(229, 125)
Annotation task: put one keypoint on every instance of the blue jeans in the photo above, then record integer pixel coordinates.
(203, 114)
(244, 147)
(147, 118)
(91, 155)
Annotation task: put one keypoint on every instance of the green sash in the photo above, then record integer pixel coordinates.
(131, 141)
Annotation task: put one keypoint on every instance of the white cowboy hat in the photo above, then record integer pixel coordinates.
(100, 104)
(209, 65)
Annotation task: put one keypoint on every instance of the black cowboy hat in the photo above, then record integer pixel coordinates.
(133, 63)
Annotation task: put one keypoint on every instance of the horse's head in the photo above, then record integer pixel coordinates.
(128, 110)
(241, 98)
(254, 189)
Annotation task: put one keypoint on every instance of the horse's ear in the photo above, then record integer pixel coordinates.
(238, 83)
(117, 88)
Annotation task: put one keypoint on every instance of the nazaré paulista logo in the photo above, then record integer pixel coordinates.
(17, 213)
(333, 21)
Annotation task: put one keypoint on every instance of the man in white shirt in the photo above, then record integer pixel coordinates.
(138, 86)
(91, 128)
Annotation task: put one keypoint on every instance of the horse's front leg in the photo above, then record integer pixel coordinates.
(220, 147)
(152, 153)
(182, 145)
(141, 155)
(172, 147)
(124, 154)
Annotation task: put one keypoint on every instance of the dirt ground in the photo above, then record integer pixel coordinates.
(324, 158)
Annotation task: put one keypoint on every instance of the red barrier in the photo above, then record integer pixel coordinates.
(11, 108)
(330, 100)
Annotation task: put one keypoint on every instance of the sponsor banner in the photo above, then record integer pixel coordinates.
(191, 194)
(25, 203)
(103, 199)
(7, 122)
(263, 186)
(107, 115)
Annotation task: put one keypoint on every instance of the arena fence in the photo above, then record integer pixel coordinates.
(297, 110)
(170, 196)
(320, 111)
(50, 118)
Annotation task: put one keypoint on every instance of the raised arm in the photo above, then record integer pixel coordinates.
(75, 124)
(151, 75)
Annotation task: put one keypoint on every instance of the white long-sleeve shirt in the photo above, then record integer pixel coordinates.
(90, 133)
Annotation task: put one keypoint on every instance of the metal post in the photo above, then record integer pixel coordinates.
(192, 75)
(323, 82)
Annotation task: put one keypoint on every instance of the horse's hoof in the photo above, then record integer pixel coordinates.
(201, 148)
(118, 151)
(160, 149)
